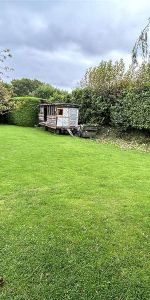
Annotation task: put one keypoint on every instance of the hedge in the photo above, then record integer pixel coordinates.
(94, 108)
(132, 110)
(25, 112)
(124, 109)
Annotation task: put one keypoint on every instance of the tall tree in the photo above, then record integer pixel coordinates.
(25, 86)
(106, 77)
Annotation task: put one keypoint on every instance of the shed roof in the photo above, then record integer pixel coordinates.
(57, 104)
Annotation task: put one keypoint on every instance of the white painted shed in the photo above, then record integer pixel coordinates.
(59, 115)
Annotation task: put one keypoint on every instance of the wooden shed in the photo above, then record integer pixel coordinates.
(59, 116)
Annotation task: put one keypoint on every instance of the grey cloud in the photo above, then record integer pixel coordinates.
(93, 26)
(92, 29)
(53, 69)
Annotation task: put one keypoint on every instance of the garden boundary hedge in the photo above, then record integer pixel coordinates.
(25, 112)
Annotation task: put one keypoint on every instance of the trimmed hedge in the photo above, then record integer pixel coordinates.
(132, 110)
(123, 109)
(25, 112)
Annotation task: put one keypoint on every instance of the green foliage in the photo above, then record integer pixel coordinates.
(102, 85)
(51, 94)
(115, 96)
(107, 76)
(45, 91)
(94, 108)
(141, 76)
(83, 97)
(25, 112)
(59, 96)
(9, 88)
(127, 109)
(25, 86)
(109, 95)
(28, 87)
(132, 110)
(5, 99)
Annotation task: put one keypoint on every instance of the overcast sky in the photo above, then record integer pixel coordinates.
(56, 41)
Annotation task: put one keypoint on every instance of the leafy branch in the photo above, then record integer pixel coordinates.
(4, 55)
(141, 45)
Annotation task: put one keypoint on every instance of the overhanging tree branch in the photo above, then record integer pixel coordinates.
(141, 45)
(4, 55)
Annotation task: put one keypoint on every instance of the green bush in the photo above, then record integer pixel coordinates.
(83, 97)
(94, 108)
(25, 112)
(132, 110)
(60, 96)
(45, 91)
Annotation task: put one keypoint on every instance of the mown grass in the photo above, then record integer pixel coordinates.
(74, 218)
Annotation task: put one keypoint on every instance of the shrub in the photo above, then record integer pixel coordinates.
(107, 76)
(25, 112)
(83, 97)
(94, 108)
(60, 96)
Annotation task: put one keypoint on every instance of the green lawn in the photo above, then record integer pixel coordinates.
(74, 218)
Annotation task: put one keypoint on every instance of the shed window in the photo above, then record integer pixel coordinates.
(60, 111)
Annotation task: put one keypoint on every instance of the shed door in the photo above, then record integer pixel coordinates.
(45, 113)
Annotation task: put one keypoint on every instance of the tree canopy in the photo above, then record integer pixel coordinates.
(25, 86)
